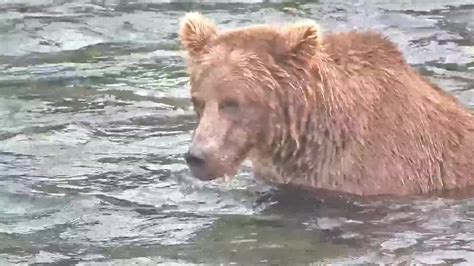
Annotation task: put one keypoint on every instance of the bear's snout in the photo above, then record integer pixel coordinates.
(198, 163)
(195, 159)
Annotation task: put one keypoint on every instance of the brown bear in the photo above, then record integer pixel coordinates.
(344, 113)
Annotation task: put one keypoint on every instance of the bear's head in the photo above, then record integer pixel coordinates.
(247, 87)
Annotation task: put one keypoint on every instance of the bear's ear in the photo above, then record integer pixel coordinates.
(302, 39)
(196, 32)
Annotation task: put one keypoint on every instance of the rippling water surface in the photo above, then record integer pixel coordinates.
(95, 117)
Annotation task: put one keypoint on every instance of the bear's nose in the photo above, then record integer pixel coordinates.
(195, 158)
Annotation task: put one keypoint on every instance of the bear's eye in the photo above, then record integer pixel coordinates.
(229, 104)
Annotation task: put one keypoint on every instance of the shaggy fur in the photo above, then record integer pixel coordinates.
(345, 113)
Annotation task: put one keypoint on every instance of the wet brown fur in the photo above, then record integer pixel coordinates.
(345, 113)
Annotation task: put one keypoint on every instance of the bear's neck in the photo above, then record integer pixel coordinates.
(308, 134)
(307, 160)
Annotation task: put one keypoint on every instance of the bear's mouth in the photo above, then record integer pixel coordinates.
(203, 173)
(214, 168)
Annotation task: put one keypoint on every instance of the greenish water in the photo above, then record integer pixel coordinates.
(95, 118)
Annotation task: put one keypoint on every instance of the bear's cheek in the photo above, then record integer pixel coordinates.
(237, 149)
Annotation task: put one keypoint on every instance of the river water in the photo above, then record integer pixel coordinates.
(95, 117)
